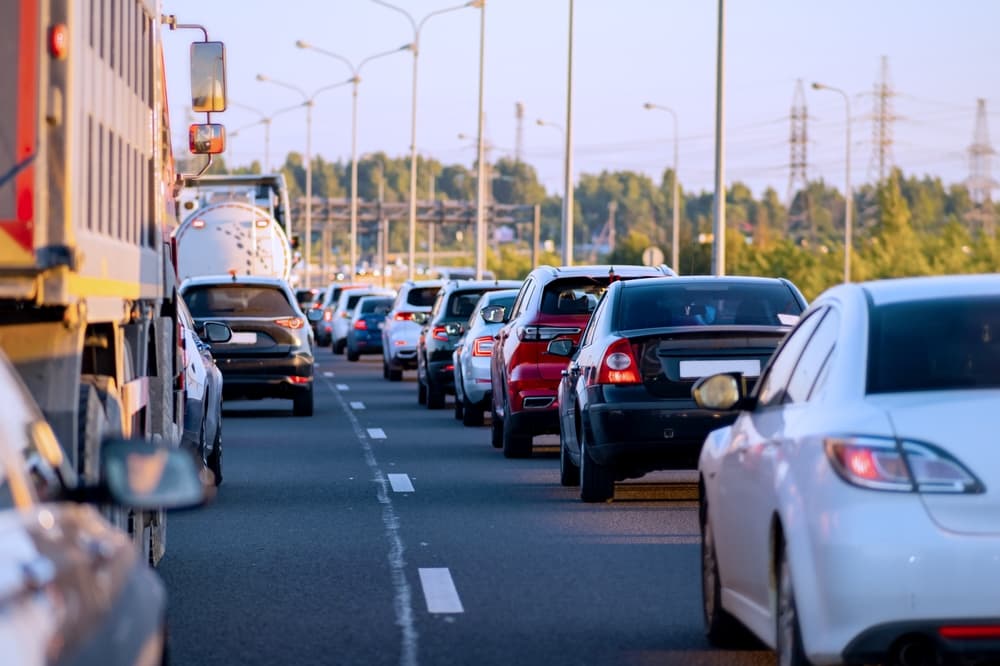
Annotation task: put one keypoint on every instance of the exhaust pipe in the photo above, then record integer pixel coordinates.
(916, 651)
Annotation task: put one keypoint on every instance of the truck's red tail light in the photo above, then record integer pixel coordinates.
(483, 346)
(619, 365)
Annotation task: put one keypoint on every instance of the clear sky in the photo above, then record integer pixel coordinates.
(942, 57)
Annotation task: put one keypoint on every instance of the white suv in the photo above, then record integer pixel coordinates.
(400, 332)
(342, 313)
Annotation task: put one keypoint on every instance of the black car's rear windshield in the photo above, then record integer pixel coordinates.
(573, 295)
(461, 304)
(422, 296)
(237, 301)
(659, 304)
(934, 345)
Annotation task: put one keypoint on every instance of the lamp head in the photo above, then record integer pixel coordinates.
(476, 4)
(261, 77)
(302, 44)
(817, 86)
(540, 122)
(407, 47)
(648, 105)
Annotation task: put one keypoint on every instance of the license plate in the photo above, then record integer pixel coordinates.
(749, 367)
(242, 338)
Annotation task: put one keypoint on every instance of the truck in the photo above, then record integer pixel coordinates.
(88, 190)
(233, 225)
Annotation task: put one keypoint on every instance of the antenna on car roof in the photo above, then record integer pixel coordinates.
(611, 275)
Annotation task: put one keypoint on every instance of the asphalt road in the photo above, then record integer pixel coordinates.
(315, 552)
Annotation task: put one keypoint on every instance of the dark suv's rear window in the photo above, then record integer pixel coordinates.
(237, 301)
(934, 345)
(422, 296)
(573, 295)
(678, 304)
(460, 305)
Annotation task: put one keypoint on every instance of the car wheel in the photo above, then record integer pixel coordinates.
(459, 409)
(385, 369)
(215, 457)
(302, 404)
(515, 444)
(421, 392)
(352, 355)
(395, 375)
(338, 346)
(788, 635)
(597, 482)
(496, 431)
(569, 473)
(472, 415)
(721, 628)
(435, 397)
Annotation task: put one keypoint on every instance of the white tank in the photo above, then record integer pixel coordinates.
(232, 237)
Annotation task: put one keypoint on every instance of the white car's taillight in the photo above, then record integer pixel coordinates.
(881, 463)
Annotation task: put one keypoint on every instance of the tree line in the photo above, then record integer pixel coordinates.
(905, 225)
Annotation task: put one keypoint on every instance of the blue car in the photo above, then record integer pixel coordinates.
(364, 332)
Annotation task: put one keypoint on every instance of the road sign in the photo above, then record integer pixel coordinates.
(652, 256)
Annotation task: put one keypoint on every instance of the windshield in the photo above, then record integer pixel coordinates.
(659, 304)
(237, 300)
(934, 345)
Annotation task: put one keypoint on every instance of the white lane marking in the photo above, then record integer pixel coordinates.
(328, 374)
(341, 387)
(402, 597)
(376, 433)
(357, 405)
(400, 483)
(439, 591)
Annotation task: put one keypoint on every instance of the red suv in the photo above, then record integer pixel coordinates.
(552, 302)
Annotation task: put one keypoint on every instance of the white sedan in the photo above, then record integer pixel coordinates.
(472, 356)
(851, 513)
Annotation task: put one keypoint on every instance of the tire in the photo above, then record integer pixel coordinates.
(721, 629)
(385, 369)
(395, 375)
(214, 461)
(338, 347)
(515, 444)
(496, 432)
(421, 393)
(435, 398)
(302, 404)
(788, 634)
(352, 356)
(459, 409)
(472, 415)
(597, 482)
(569, 473)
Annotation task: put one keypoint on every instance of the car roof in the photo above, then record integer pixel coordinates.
(417, 284)
(235, 279)
(703, 279)
(472, 285)
(901, 290)
(500, 293)
(593, 270)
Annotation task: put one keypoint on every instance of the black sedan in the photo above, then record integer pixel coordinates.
(625, 405)
(270, 353)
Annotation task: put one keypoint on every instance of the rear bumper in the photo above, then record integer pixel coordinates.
(253, 378)
(366, 344)
(542, 422)
(441, 375)
(649, 435)
(875, 644)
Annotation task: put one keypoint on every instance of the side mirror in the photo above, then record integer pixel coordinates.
(724, 391)
(208, 77)
(494, 314)
(216, 331)
(420, 318)
(206, 139)
(314, 314)
(454, 329)
(561, 347)
(145, 475)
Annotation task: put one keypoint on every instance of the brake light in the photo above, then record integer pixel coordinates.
(544, 333)
(59, 41)
(294, 323)
(403, 316)
(483, 346)
(440, 333)
(980, 631)
(619, 365)
(361, 325)
(295, 379)
(881, 463)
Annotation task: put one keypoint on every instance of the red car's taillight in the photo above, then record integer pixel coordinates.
(618, 365)
(361, 325)
(483, 346)
(440, 333)
(293, 323)
(882, 463)
(544, 333)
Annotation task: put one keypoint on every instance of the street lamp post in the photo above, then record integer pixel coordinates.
(675, 226)
(415, 48)
(847, 178)
(567, 197)
(567, 225)
(307, 101)
(719, 202)
(355, 80)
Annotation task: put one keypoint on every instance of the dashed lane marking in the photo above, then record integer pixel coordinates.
(357, 405)
(341, 387)
(328, 374)
(376, 433)
(439, 591)
(400, 483)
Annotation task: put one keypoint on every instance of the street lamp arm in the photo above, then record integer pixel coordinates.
(329, 87)
(268, 79)
(365, 61)
(446, 10)
(335, 56)
(409, 17)
(248, 108)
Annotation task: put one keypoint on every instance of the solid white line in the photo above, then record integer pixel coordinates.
(357, 405)
(439, 591)
(376, 433)
(400, 483)
(341, 387)
(403, 597)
